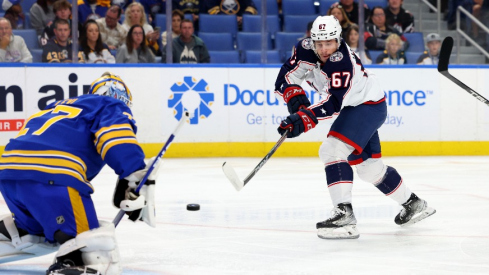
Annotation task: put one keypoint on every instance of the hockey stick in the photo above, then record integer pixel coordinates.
(445, 52)
(233, 177)
(186, 115)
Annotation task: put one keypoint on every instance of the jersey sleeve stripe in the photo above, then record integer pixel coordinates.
(111, 128)
(111, 143)
(113, 135)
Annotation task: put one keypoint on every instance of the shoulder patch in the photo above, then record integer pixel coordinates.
(335, 57)
(307, 43)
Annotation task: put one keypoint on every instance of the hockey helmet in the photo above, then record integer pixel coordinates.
(111, 85)
(326, 28)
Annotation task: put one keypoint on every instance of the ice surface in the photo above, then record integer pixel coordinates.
(269, 226)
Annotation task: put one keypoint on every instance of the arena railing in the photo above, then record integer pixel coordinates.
(461, 32)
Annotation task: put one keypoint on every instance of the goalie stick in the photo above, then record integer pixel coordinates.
(445, 52)
(186, 115)
(233, 177)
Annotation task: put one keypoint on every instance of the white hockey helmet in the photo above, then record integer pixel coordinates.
(111, 85)
(326, 28)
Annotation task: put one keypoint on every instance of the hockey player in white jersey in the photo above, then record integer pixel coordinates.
(354, 94)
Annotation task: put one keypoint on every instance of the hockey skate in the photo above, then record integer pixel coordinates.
(414, 210)
(341, 225)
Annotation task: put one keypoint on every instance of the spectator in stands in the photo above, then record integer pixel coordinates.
(135, 50)
(92, 9)
(452, 12)
(431, 56)
(14, 13)
(62, 10)
(398, 17)
(187, 48)
(135, 15)
(340, 14)
(12, 47)
(42, 15)
(307, 34)
(351, 38)
(94, 51)
(392, 54)
(377, 31)
(59, 49)
(176, 20)
(230, 7)
(351, 9)
(476, 12)
(112, 32)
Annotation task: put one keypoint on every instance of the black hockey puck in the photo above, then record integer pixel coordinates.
(193, 207)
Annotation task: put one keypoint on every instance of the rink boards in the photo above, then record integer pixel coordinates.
(235, 112)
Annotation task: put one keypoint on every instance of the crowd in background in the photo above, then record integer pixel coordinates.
(124, 31)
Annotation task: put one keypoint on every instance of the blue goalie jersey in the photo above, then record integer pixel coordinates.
(70, 141)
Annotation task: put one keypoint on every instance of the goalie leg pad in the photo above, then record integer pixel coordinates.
(99, 249)
(28, 244)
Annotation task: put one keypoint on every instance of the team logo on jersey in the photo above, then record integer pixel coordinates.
(307, 43)
(192, 96)
(60, 220)
(337, 56)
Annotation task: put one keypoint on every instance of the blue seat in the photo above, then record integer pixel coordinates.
(416, 41)
(30, 37)
(375, 3)
(188, 16)
(272, 6)
(412, 57)
(224, 56)
(36, 55)
(374, 55)
(160, 21)
(217, 41)
(218, 23)
(297, 23)
(298, 7)
(2, 14)
(252, 23)
(286, 41)
(251, 41)
(324, 6)
(273, 57)
(27, 5)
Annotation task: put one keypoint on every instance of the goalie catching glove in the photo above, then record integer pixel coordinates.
(138, 206)
(295, 97)
(298, 123)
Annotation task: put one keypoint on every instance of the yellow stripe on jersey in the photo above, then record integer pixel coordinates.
(111, 128)
(114, 142)
(78, 211)
(48, 154)
(117, 134)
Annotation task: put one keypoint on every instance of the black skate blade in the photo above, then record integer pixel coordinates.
(75, 270)
(421, 216)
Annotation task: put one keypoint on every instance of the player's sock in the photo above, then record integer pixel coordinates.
(393, 187)
(339, 176)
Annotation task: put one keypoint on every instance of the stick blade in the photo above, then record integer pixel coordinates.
(232, 176)
(445, 52)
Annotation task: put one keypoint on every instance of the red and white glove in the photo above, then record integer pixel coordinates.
(295, 97)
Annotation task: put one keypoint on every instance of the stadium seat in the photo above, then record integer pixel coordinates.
(251, 41)
(188, 16)
(252, 23)
(286, 41)
(416, 41)
(30, 37)
(36, 55)
(272, 6)
(324, 6)
(374, 55)
(297, 23)
(412, 57)
(224, 56)
(27, 5)
(273, 57)
(374, 3)
(298, 7)
(123, 17)
(217, 41)
(160, 21)
(218, 23)
(2, 14)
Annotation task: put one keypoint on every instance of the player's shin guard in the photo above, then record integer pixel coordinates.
(393, 187)
(15, 247)
(339, 176)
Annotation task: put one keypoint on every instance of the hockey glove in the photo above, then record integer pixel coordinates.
(298, 123)
(295, 97)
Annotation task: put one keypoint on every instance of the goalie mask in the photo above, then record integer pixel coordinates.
(111, 85)
(326, 28)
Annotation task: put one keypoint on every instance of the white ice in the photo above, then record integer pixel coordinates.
(269, 226)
